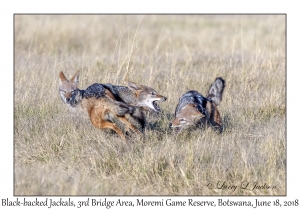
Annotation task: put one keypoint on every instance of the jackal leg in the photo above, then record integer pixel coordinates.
(124, 120)
(101, 123)
(113, 127)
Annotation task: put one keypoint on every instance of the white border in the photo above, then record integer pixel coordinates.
(8, 8)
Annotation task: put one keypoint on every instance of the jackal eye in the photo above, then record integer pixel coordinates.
(63, 91)
(153, 93)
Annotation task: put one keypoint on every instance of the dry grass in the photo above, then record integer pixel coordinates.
(60, 153)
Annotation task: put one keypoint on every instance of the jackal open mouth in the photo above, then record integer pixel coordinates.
(156, 107)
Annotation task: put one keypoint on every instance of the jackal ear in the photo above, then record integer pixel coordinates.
(75, 78)
(62, 77)
(133, 86)
(197, 118)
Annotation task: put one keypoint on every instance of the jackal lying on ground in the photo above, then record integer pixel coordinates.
(193, 108)
(103, 110)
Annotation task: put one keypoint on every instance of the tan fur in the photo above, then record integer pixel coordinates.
(142, 97)
(192, 116)
(109, 94)
(190, 113)
(101, 111)
(142, 94)
(194, 108)
(67, 85)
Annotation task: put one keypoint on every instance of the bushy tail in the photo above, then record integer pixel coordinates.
(216, 91)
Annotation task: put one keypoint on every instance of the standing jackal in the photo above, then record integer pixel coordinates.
(193, 108)
(102, 110)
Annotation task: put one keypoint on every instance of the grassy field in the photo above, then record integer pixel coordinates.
(57, 152)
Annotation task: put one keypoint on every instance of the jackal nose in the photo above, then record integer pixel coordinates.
(68, 100)
(165, 98)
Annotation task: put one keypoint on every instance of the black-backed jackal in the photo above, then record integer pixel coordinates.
(102, 110)
(193, 108)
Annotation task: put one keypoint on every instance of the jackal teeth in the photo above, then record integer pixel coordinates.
(157, 108)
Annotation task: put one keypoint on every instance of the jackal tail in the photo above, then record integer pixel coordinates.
(216, 91)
